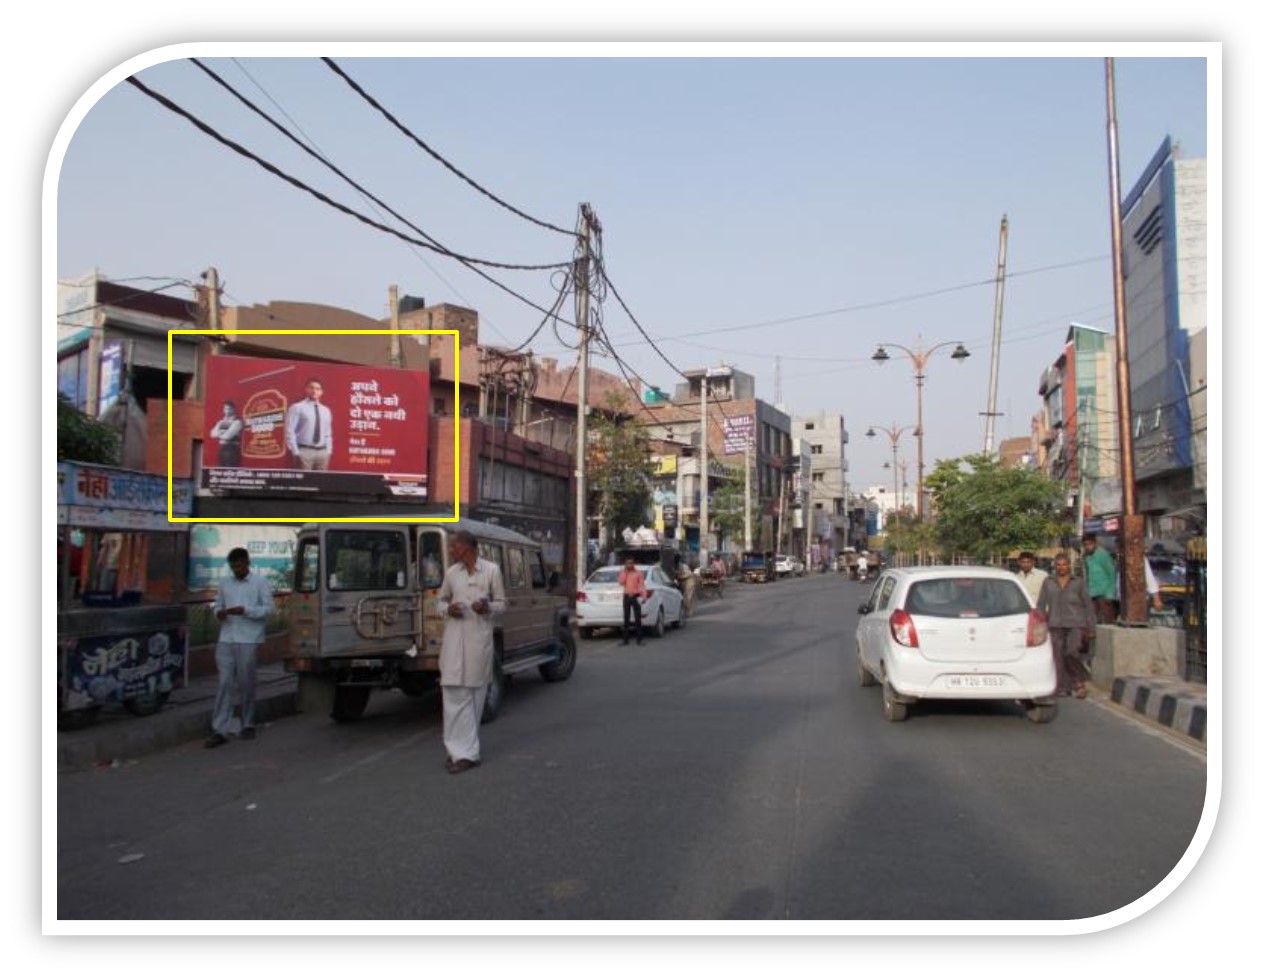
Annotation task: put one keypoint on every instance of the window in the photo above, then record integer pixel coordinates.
(539, 579)
(431, 559)
(517, 575)
(966, 597)
(495, 553)
(885, 588)
(441, 406)
(366, 560)
(818, 449)
(809, 426)
(307, 579)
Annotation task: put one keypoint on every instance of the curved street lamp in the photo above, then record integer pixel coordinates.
(893, 433)
(919, 359)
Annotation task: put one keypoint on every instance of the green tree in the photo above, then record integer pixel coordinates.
(906, 534)
(619, 466)
(984, 510)
(80, 438)
(726, 507)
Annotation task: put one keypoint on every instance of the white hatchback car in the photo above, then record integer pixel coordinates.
(599, 603)
(955, 632)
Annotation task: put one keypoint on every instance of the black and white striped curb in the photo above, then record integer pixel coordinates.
(1169, 702)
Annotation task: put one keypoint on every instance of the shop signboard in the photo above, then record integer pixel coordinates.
(293, 427)
(113, 498)
(271, 550)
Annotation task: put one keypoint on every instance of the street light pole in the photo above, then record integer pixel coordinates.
(893, 433)
(919, 358)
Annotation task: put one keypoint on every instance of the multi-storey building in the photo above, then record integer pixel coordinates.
(827, 437)
(1165, 288)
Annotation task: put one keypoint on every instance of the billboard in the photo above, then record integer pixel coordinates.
(295, 427)
(739, 433)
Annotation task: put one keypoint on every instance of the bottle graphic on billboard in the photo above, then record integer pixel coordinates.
(264, 417)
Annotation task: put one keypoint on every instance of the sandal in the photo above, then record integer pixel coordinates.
(1081, 692)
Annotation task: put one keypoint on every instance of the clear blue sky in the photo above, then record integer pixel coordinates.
(733, 192)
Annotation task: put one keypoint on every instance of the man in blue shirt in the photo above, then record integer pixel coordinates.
(242, 605)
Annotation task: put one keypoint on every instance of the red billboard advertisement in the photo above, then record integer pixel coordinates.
(298, 427)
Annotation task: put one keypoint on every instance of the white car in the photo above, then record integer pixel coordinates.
(955, 632)
(788, 566)
(599, 603)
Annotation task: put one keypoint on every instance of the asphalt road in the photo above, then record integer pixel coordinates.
(732, 770)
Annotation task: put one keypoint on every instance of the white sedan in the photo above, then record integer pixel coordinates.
(599, 603)
(955, 632)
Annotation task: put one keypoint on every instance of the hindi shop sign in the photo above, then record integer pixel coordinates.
(296, 427)
(112, 498)
(739, 433)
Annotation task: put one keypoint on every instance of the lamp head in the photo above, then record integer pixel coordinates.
(960, 353)
(882, 356)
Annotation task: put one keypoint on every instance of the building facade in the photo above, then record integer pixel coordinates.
(826, 435)
(1165, 288)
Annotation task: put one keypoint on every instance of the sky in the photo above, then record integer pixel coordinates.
(777, 210)
(827, 193)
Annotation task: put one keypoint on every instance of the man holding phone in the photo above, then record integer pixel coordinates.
(471, 596)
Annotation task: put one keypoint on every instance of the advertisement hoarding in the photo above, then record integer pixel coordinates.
(739, 433)
(290, 427)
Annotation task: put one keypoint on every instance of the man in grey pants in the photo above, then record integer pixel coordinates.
(242, 605)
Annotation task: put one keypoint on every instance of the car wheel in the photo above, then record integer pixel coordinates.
(660, 624)
(560, 670)
(1042, 714)
(863, 674)
(681, 618)
(495, 692)
(349, 702)
(892, 711)
(586, 633)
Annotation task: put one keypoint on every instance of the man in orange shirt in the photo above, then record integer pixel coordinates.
(632, 581)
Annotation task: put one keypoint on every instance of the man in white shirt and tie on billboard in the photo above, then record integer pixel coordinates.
(309, 430)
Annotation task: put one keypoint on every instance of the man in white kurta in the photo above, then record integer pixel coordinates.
(471, 596)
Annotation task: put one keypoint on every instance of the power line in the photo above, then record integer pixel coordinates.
(420, 255)
(359, 90)
(241, 150)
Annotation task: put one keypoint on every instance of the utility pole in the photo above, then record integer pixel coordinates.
(1131, 546)
(747, 453)
(397, 357)
(990, 430)
(583, 263)
(703, 514)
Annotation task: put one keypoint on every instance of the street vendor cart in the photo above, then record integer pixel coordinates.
(121, 635)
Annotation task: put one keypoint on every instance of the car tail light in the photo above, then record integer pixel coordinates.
(1037, 628)
(580, 595)
(903, 629)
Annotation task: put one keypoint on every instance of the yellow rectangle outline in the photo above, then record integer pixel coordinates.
(456, 477)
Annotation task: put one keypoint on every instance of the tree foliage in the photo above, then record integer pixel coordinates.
(726, 507)
(983, 509)
(80, 438)
(619, 466)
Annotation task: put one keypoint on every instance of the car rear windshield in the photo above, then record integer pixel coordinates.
(608, 575)
(966, 597)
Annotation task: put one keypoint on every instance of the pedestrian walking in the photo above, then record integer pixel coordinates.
(243, 603)
(632, 581)
(471, 596)
(1102, 578)
(1065, 602)
(1030, 574)
(687, 581)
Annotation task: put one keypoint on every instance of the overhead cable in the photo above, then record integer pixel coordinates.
(359, 90)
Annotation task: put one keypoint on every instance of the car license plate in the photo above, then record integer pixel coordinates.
(975, 681)
(608, 598)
